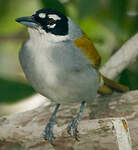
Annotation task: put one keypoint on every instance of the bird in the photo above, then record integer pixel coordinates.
(61, 62)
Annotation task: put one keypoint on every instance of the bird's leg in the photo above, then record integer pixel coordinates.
(73, 124)
(48, 132)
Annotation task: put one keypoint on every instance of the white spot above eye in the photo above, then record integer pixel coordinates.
(42, 15)
(55, 17)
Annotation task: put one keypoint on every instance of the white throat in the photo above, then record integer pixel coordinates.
(40, 34)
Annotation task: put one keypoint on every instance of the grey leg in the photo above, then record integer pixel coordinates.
(73, 124)
(48, 132)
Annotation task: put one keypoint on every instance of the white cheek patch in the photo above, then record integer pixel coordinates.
(55, 17)
(42, 15)
(51, 26)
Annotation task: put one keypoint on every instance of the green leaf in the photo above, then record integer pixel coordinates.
(129, 78)
(118, 9)
(87, 7)
(12, 91)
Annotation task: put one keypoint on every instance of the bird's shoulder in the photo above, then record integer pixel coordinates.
(86, 45)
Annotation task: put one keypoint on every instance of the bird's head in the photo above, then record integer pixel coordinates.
(47, 21)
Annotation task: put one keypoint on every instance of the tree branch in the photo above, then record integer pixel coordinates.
(126, 55)
(25, 129)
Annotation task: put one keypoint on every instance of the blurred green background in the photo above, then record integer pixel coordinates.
(109, 23)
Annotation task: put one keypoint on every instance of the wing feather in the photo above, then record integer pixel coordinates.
(89, 50)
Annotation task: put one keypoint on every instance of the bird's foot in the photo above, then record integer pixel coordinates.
(73, 125)
(48, 132)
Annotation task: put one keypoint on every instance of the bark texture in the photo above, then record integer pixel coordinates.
(23, 131)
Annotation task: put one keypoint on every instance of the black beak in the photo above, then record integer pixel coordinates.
(28, 21)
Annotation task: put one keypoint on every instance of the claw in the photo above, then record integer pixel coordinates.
(48, 133)
(73, 125)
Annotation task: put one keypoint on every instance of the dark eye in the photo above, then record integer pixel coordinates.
(51, 21)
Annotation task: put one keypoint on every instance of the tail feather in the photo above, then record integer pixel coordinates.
(108, 86)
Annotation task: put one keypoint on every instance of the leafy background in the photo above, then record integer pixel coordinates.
(109, 23)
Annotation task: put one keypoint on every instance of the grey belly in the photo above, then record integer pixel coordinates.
(63, 87)
(60, 84)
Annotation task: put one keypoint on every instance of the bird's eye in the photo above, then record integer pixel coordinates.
(51, 21)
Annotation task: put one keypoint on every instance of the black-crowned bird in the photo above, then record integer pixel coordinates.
(61, 63)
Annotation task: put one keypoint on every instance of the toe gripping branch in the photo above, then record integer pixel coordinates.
(48, 132)
(73, 124)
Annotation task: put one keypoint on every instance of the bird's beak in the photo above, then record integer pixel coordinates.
(28, 21)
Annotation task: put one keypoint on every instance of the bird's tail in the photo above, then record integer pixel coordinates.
(107, 86)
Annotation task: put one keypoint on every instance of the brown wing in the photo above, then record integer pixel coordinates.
(89, 50)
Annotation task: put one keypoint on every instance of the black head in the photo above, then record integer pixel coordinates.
(50, 20)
